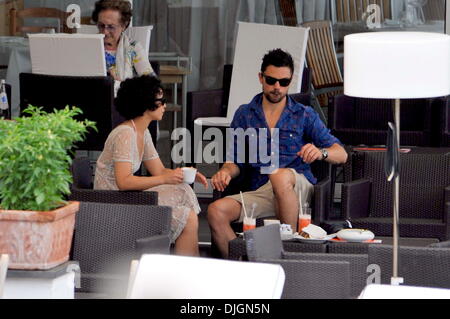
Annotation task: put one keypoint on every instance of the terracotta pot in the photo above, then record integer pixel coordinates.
(37, 240)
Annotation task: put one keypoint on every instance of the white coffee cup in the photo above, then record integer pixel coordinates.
(189, 174)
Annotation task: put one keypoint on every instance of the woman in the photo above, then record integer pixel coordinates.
(125, 58)
(140, 101)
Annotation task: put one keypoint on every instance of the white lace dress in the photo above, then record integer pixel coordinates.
(121, 146)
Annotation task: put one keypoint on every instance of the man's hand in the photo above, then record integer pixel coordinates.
(309, 153)
(221, 180)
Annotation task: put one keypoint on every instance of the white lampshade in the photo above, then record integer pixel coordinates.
(397, 65)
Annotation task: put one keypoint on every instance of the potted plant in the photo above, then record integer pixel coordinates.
(36, 223)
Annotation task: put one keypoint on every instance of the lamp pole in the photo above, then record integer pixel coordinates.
(396, 280)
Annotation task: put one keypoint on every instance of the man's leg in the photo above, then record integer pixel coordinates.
(220, 214)
(283, 183)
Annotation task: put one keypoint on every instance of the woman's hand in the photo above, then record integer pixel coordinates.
(200, 178)
(173, 177)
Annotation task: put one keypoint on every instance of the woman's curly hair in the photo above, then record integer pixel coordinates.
(124, 7)
(137, 95)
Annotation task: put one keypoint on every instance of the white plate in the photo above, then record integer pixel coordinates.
(286, 236)
(355, 235)
(313, 240)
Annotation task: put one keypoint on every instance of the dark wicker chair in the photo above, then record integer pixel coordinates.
(419, 266)
(424, 193)
(81, 189)
(308, 275)
(358, 121)
(109, 236)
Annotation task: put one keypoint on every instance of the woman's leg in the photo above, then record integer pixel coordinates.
(187, 243)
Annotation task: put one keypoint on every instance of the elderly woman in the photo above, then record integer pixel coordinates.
(125, 58)
(140, 101)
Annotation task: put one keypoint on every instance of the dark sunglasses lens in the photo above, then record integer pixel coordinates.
(271, 80)
(285, 82)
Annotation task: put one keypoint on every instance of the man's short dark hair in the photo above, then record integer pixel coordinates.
(277, 58)
(137, 95)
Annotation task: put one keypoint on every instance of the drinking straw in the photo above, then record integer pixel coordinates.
(243, 205)
(253, 209)
(300, 203)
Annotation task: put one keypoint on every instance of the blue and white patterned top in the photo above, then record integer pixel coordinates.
(298, 125)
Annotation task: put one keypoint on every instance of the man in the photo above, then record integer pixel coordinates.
(303, 139)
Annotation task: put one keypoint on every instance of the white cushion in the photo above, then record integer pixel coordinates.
(67, 54)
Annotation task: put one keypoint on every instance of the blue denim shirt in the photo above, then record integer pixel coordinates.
(298, 125)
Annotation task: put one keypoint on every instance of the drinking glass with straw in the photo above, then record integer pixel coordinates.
(304, 217)
(249, 221)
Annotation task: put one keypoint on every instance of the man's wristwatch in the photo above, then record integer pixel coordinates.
(324, 154)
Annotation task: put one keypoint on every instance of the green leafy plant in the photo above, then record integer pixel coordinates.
(35, 158)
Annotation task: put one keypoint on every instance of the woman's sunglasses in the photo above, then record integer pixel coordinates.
(162, 100)
(271, 81)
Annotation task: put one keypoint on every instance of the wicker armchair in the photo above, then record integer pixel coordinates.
(309, 275)
(424, 193)
(419, 266)
(109, 236)
(357, 121)
(81, 189)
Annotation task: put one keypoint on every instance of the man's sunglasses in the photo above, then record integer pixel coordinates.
(271, 81)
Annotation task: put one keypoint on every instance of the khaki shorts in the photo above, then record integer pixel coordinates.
(265, 197)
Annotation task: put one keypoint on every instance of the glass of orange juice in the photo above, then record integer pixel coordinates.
(249, 223)
(304, 218)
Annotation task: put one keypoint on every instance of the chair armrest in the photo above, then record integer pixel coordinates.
(114, 197)
(158, 244)
(322, 201)
(355, 199)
